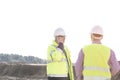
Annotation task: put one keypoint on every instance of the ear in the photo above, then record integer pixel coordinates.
(56, 39)
(101, 37)
(92, 37)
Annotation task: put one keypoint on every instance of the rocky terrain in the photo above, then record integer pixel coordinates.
(20, 71)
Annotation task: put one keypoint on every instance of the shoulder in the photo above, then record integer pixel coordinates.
(105, 46)
(51, 47)
(86, 46)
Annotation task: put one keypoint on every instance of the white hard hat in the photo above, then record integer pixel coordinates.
(59, 31)
(97, 30)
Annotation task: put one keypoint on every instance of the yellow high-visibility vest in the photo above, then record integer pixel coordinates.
(96, 57)
(57, 65)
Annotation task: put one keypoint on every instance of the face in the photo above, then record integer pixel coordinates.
(60, 39)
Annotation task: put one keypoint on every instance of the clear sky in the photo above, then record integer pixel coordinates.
(27, 26)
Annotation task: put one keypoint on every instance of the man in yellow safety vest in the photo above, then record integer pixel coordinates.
(59, 66)
(96, 61)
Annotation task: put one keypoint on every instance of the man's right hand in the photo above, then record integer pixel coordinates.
(61, 46)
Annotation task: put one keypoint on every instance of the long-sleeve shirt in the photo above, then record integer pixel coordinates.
(113, 63)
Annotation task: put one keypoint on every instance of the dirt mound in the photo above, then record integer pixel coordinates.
(23, 70)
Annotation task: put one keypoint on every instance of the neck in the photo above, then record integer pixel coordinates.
(96, 42)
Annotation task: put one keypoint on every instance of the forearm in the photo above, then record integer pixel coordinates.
(114, 65)
(79, 66)
(78, 70)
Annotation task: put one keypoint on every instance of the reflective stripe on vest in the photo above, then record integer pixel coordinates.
(97, 68)
(96, 71)
(96, 78)
(62, 60)
(57, 75)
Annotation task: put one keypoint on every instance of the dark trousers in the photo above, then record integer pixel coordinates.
(58, 78)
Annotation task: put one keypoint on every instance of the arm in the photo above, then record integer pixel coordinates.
(79, 65)
(114, 65)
